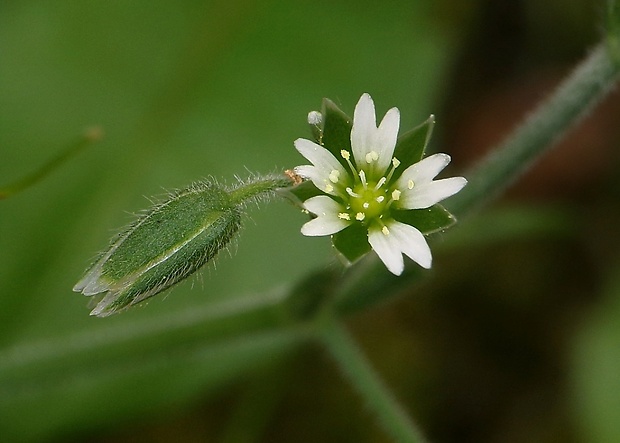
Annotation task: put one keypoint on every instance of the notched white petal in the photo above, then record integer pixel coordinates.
(328, 221)
(412, 243)
(427, 194)
(321, 226)
(363, 132)
(387, 249)
(325, 167)
(385, 139)
(424, 171)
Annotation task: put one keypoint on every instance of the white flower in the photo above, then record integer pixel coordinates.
(361, 189)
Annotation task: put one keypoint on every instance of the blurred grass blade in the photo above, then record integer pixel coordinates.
(613, 30)
(89, 137)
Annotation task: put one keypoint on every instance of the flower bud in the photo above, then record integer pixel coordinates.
(165, 245)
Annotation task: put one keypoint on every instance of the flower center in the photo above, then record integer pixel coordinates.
(368, 201)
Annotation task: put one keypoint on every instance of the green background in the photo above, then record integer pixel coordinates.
(513, 338)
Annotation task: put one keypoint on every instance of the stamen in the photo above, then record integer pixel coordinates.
(380, 183)
(366, 205)
(385, 230)
(410, 184)
(333, 176)
(360, 216)
(362, 175)
(396, 194)
(380, 199)
(395, 164)
(347, 156)
(352, 194)
(344, 216)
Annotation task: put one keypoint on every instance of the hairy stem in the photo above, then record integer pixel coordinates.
(258, 187)
(572, 100)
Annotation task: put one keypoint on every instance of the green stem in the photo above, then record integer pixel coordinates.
(89, 137)
(585, 87)
(357, 369)
(258, 187)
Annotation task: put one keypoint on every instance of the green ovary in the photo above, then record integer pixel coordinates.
(368, 201)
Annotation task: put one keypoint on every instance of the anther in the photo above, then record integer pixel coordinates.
(366, 205)
(395, 162)
(380, 183)
(410, 184)
(333, 176)
(329, 188)
(345, 154)
(360, 216)
(344, 216)
(385, 230)
(396, 194)
(372, 156)
(380, 199)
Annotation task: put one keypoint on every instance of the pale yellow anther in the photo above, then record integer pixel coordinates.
(395, 162)
(396, 194)
(329, 188)
(345, 154)
(333, 176)
(380, 199)
(344, 216)
(372, 156)
(360, 216)
(385, 230)
(410, 184)
(366, 205)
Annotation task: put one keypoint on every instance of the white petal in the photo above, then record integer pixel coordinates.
(318, 178)
(427, 194)
(388, 250)
(411, 242)
(323, 205)
(327, 221)
(385, 139)
(320, 157)
(324, 226)
(363, 132)
(324, 164)
(423, 171)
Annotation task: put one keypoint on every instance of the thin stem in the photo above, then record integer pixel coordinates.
(361, 375)
(572, 100)
(89, 137)
(258, 187)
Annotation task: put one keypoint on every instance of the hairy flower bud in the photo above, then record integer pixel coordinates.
(165, 245)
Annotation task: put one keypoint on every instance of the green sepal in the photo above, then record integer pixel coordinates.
(336, 130)
(352, 242)
(411, 145)
(427, 221)
(165, 245)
